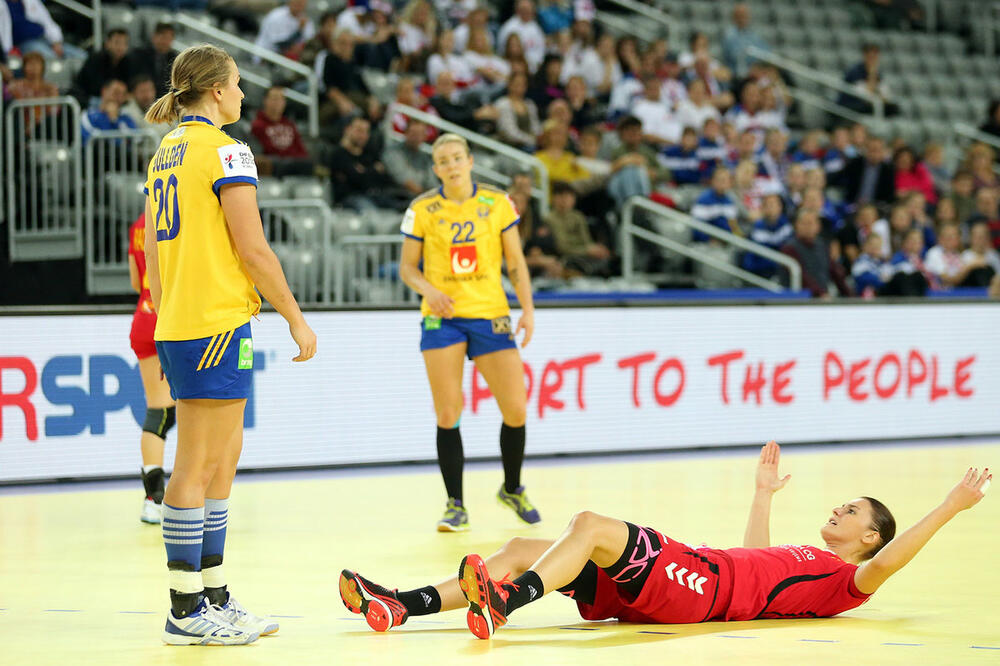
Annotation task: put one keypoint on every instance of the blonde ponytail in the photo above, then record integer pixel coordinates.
(195, 72)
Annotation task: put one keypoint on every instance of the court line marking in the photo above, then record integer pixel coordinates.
(818, 640)
(983, 647)
(580, 628)
(733, 636)
(665, 633)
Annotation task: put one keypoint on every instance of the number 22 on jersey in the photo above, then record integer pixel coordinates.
(463, 249)
(167, 214)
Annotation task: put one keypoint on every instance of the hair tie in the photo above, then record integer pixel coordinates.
(175, 92)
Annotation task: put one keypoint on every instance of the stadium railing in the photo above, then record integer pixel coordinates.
(962, 131)
(115, 164)
(825, 81)
(525, 160)
(93, 12)
(657, 23)
(300, 231)
(42, 170)
(675, 236)
(309, 99)
(365, 269)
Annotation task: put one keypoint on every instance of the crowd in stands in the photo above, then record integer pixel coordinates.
(611, 118)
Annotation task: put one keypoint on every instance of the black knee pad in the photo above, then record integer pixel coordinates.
(159, 421)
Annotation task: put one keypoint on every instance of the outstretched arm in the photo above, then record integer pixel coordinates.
(758, 533)
(898, 552)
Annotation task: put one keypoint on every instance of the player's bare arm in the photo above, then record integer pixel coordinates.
(517, 271)
(898, 552)
(767, 483)
(441, 304)
(239, 203)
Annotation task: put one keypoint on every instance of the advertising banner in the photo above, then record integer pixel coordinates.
(598, 379)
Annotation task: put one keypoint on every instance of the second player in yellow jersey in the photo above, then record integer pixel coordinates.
(463, 232)
(462, 249)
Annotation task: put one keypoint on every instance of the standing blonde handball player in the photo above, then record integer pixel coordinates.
(205, 253)
(462, 231)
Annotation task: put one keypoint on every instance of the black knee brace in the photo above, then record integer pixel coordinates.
(159, 421)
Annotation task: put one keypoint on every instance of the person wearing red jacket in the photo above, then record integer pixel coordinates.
(282, 151)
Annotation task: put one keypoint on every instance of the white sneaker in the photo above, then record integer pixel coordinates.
(238, 616)
(151, 512)
(205, 626)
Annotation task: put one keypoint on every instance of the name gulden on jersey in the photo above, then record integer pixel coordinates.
(168, 157)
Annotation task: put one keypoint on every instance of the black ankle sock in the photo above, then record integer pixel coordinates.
(451, 460)
(422, 601)
(512, 453)
(153, 483)
(183, 603)
(526, 588)
(217, 596)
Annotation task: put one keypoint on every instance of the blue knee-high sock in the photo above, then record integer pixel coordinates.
(182, 536)
(216, 520)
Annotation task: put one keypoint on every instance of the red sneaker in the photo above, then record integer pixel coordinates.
(487, 599)
(380, 606)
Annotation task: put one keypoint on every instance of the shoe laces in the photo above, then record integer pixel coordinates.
(506, 581)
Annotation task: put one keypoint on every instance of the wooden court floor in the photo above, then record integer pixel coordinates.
(82, 581)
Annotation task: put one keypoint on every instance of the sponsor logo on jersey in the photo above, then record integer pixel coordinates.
(463, 259)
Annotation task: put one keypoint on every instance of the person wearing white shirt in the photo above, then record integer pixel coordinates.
(491, 69)
(417, 28)
(980, 250)
(478, 18)
(445, 59)
(697, 108)
(49, 44)
(659, 125)
(455, 11)
(523, 23)
(945, 259)
(285, 29)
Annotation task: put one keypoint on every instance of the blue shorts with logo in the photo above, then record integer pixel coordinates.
(482, 335)
(218, 367)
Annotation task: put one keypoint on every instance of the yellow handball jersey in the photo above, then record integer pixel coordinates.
(205, 288)
(462, 249)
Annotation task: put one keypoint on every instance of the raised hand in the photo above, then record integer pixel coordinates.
(969, 490)
(767, 469)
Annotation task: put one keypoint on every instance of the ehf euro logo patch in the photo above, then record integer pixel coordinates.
(237, 160)
(463, 259)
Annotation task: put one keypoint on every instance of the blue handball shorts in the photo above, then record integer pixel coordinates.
(482, 335)
(219, 366)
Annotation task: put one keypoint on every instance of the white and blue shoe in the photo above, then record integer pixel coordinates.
(238, 616)
(205, 626)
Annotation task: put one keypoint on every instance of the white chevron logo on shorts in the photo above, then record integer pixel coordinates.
(694, 581)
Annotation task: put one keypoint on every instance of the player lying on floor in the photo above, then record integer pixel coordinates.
(614, 569)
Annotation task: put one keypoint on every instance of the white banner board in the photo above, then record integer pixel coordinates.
(600, 379)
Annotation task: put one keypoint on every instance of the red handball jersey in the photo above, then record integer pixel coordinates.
(790, 581)
(144, 319)
(699, 584)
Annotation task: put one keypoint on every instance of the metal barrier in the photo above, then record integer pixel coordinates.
(93, 13)
(629, 231)
(828, 81)
(655, 22)
(300, 232)
(115, 164)
(43, 179)
(310, 99)
(367, 271)
(964, 131)
(529, 162)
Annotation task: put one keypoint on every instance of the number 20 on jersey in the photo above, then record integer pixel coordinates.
(168, 214)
